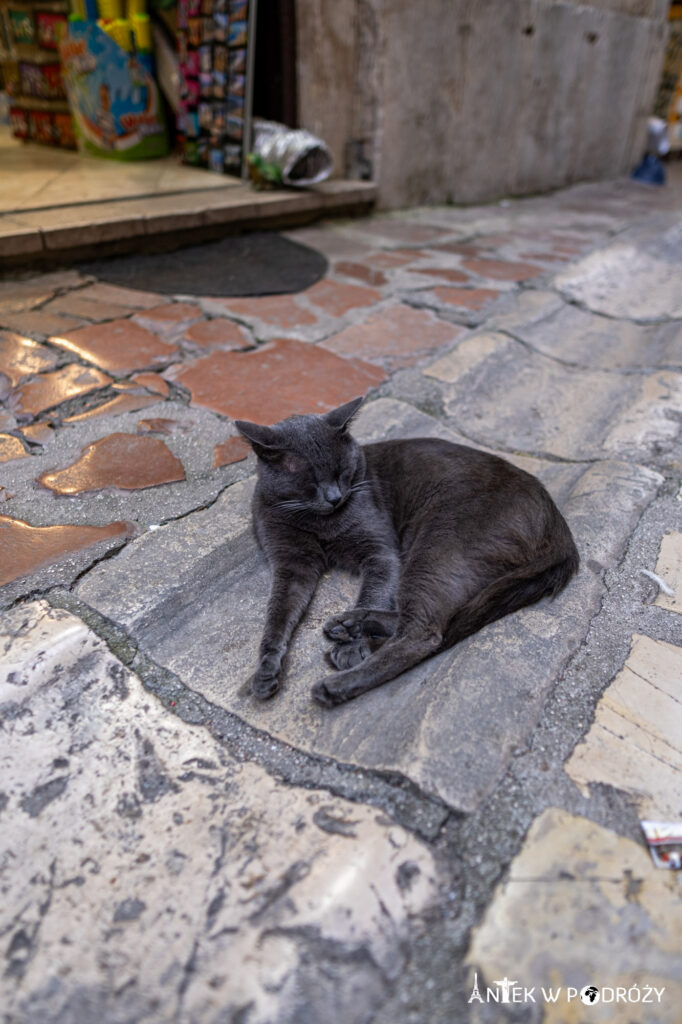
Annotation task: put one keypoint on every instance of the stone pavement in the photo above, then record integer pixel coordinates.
(173, 851)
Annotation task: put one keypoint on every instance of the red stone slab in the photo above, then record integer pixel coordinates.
(279, 310)
(173, 312)
(395, 338)
(460, 248)
(101, 292)
(444, 273)
(503, 270)
(337, 298)
(50, 389)
(218, 333)
(38, 433)
(11, 448)
(119, 346)
(550, 257)
(162, 425)
(387, 260)
(150, 381)
(361, 272)
(115, 407)
(125, 461)
(235, 449)
(21, 357)
(78, 305)
(38, 322)
(275, 381)
(24, 548)
(468, 298)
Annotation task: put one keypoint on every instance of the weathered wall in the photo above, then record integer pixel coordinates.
(463, 100)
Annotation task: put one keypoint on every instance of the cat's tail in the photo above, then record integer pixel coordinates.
(544, 577)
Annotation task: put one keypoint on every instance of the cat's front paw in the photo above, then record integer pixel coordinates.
(325, 694)
(265, 681)
(348, 655)
(343, 628)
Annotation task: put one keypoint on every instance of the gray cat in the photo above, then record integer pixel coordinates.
(445, 538)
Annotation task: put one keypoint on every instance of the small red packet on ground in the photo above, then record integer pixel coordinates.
(664, 839)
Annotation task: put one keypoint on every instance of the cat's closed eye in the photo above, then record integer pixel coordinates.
(293, 463)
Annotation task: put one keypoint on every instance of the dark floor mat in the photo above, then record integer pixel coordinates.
(263, 263)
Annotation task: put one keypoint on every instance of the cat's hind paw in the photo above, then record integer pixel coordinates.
(325, 694)
(351, 625)
(348, 655)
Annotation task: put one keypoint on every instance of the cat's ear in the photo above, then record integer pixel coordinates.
(264, 440)
(341, 417)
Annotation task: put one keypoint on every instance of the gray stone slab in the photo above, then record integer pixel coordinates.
(501, 393)
(638, 276)
(452, 723)
(148, 877)
(578, 337)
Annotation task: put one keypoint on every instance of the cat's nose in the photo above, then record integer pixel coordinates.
(332, 494)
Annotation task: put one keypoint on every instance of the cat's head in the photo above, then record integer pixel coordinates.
(306, 463)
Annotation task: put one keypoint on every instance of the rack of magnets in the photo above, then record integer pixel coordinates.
(216, 43)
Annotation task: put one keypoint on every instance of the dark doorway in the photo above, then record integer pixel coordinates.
(274, 87)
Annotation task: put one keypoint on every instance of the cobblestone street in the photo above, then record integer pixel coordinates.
(173, 850)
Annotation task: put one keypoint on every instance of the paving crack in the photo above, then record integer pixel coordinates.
(415, 810)
(623, 371)
(478, 849)
(640, 322)
(499, 446)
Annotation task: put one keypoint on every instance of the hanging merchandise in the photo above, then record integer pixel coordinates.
(107, 68)
(38, 107)
(215, 46)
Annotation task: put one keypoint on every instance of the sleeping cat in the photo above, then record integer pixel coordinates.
(445, 538)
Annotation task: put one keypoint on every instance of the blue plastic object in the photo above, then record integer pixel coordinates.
(650, 172)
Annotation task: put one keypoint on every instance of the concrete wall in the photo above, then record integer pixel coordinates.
(465, 100)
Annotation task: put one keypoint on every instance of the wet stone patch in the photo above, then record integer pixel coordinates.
(217, 333)
(20, 357)
(11, 448)
(52, 389)
(24, 549)
(118, 460)
(233, 450)
(301, 378)
(118, 347)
